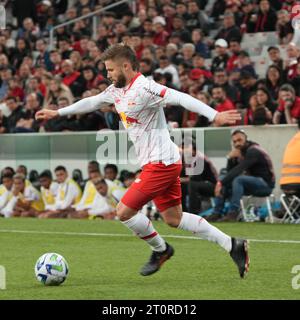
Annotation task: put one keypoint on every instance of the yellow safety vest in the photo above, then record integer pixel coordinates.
(290, 172)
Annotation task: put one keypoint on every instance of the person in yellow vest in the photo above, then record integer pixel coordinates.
(111, 173)
(80, 210)
(26, 201)
(111, 194)
(23, 170)
(68, 193)
(91, 198)
(290, 172)
(5, 190)
(49, 189)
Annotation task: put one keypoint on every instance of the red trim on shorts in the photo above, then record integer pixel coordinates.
(152, 235)
(163, 92)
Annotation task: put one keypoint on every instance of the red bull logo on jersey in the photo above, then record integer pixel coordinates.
(128, 121)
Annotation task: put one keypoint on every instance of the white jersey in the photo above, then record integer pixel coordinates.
(140, 107)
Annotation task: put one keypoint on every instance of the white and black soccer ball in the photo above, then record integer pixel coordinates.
(51, 269)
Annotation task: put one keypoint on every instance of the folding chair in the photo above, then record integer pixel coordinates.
(291, 204)
(249, 205)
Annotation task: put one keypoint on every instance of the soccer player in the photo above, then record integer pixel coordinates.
(139, 102)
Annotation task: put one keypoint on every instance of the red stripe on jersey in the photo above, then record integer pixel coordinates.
(163, 92)
(152, 235)
(132, 81)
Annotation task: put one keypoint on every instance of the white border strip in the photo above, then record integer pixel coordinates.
(95, 234)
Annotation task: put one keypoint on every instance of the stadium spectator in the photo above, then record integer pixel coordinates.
(248, 84)
(259, 180)
(288, 110)
(49, 189)
(166, 67)
(68, 193)
(221, 58)
(111, 173)
(26, 201)
(200, 46)
(266, 18)
(220, 78)
(146, 68)
(201, 185)
(235, 49)
(196, 18)
(284, 27)
(248, 17)
(295, 82)
(16, 114)
(5, 190)
(229, 30)
(188, 50)
(275, 58)
(179, 27)
(293, 55)
(72, 78)
(57, 90)
(274, 81)
(220, 102)
(23, 9)
(160, 34)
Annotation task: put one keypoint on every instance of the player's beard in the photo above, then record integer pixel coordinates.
(121, 81)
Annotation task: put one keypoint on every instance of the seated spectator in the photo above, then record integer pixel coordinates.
(284, 27)
(293, 54)
(201, 183)
(111, 173)
(17, 113)
(178, 25)
(220, 78)
(265, 100)
(248, 84)
(288, 110)
(146, 68)
(72, 78)
(245, 64)
(43, 58)
(275, 58)
(229, 29)
(166, 66)
(65, 48)
(290, 178)
(200, 46)
(112, 196)
(188, 50)
(235, 49)
(160, 34)
(5, 190)
(56, 91)
(49, 189)
(220, 102)
(21, 169)
(91, 78)
(274, 81)
(55, 60)
(26, 201)
(295, 82)
(68, 193)
(248, 18)
(22, 50)
(196, 17)
(249, 172)
(266, 18)
(5, 77)
(221, 58)
(30, 31)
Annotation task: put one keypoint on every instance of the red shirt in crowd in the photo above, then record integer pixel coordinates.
(225, 106)
(295, 109)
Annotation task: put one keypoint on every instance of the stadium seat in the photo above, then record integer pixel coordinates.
(249, 204)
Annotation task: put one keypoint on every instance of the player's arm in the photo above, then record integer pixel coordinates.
(155, 94)
(174, 97)
(85, 105)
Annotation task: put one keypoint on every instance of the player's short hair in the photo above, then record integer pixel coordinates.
(121, 51)
(60, 168)
(19, 176)
(46, 174)
(111, 166)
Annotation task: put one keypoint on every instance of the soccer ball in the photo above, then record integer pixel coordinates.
(51, 269)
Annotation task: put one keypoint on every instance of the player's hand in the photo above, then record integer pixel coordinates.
(227, 117)
(218, 189)
(46, 114)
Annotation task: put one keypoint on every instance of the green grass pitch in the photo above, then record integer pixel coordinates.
(104, 260)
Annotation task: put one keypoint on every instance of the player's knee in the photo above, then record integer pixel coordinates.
(123, 213)
(173, 222)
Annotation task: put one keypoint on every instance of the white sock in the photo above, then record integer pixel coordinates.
(144, 229)
(200, 227)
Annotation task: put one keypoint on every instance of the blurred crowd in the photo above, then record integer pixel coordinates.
(193, 46)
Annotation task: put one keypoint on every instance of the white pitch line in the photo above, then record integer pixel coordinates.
(95, 234)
